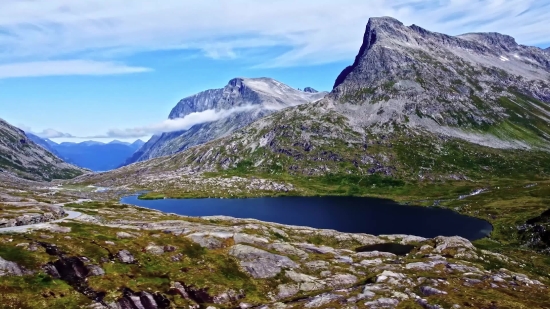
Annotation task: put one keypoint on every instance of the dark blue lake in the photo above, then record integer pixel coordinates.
(345, 214)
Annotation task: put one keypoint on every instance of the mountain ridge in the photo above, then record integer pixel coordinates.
(261, 96)
(414, 104)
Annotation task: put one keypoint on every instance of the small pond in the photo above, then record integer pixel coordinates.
(344, 214)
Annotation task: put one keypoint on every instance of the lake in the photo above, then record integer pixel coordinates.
(344, 214)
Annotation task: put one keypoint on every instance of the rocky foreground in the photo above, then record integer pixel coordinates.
(118, 256)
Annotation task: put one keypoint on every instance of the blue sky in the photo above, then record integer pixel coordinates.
(85, 67)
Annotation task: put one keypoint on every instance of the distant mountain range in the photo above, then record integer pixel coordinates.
(92, 155)
(258, 96)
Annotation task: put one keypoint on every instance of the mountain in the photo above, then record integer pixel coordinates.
(244, 100)
(137, 144)
(44, 142)
(310, 90)
(20, 155)
(96, 156)
(415, 105)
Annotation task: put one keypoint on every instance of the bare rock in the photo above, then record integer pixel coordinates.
(154, 249)
(8, 268)
(125, 257)
(260, 263)
(123, 235)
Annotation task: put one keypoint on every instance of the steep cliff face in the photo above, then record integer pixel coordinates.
(21, 156)
(484, 82)
(244, 99)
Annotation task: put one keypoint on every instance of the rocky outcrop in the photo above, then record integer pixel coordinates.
(535, 233)
(244, 100)
(259, 263)
(22, 157)
(51, 213)
(8, 268)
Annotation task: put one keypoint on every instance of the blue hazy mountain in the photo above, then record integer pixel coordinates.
(92, 155)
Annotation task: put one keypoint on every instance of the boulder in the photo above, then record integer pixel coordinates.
(154, 249)
(125, 257)
(123, 235)
(8, 268)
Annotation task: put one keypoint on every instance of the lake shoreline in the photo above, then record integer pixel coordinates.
(338, 217)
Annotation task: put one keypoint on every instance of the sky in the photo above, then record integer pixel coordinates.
(95, 69)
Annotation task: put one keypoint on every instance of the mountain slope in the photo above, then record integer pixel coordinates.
(481, 82)
(45, 143)
(248, 99)
(23, 157)
(415, 105)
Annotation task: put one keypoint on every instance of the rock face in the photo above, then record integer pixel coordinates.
(436, 80)
(21, 156)
(244, 100)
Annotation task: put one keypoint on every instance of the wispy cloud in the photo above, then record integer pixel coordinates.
(51, 133)
(67, 67)
(172, 125)
(312, 32)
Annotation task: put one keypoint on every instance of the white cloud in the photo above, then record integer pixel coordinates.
(67, 67)
(51, 133)
(178, 124)
(314, 32)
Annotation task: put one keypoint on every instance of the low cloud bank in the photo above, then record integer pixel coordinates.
(178, 124)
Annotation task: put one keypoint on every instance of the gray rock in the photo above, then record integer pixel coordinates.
(211, 240)
(123, 235)
(288, 249)
(125, 257)
(154, 249)
(95, 270)
(341, 280)
(382, 303)
(316, 249)
(424, 303)
(317, 265)
(429, 291)
(260, 263)
(287, 290)
(249, 239)
(8, 268)
(323, 299)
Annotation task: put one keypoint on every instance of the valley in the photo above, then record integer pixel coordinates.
(442, 127)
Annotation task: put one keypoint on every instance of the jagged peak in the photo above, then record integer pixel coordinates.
(384, 20)
(310, 90)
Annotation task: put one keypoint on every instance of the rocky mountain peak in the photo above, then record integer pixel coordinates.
(310, 90)
(264, 94)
